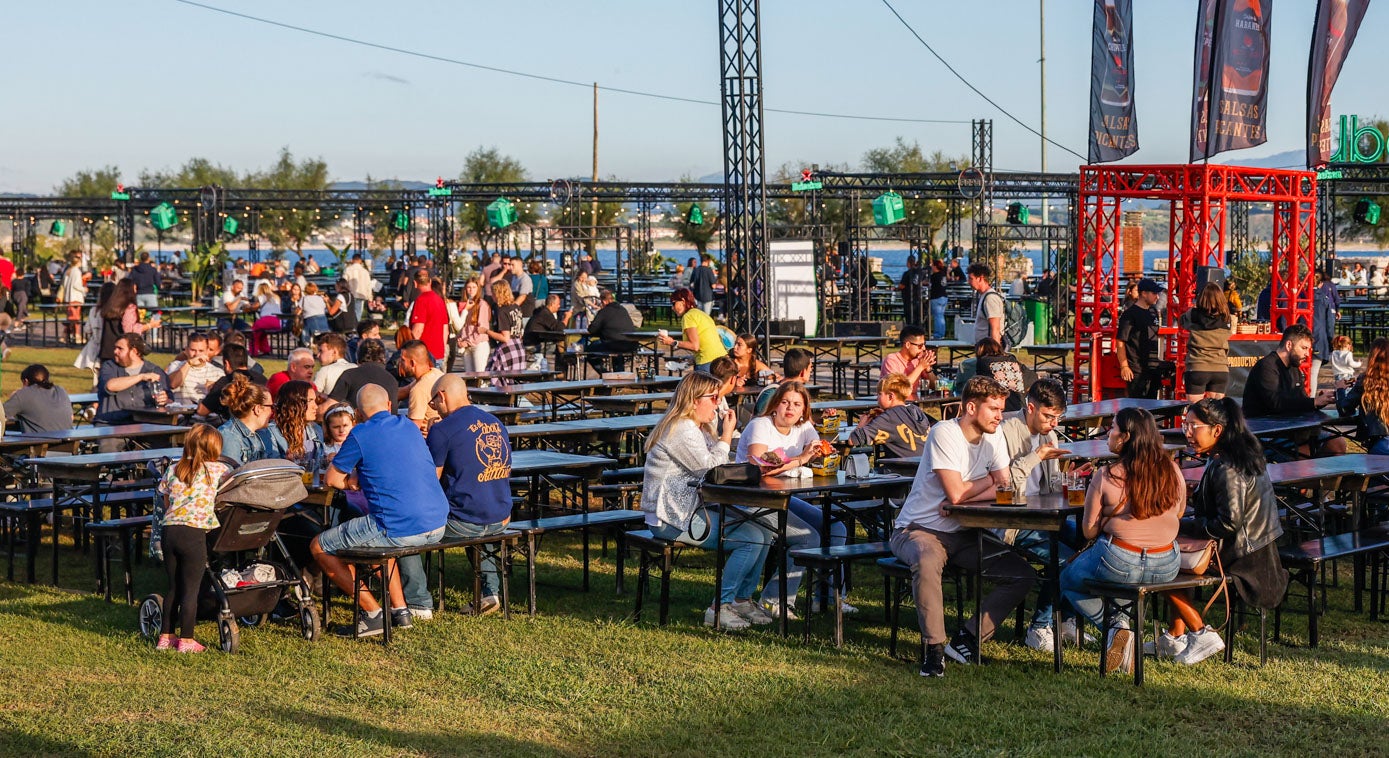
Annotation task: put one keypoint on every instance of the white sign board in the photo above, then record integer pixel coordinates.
(793, 292)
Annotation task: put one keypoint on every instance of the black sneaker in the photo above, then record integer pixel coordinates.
(401, 618)
(934, 665)
(961, 648)
(370, 626)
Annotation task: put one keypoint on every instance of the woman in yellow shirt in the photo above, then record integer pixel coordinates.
(701, 335)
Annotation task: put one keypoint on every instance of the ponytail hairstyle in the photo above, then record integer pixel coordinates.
(202, 445)
(1236, 445)
(1151, 483)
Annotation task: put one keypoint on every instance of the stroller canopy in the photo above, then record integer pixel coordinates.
(272, 484)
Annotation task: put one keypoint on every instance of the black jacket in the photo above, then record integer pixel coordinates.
(1275, 389)
(611, 324)
(1237, 509)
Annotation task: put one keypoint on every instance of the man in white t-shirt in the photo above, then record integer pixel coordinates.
(988, 313)
(964, 460)
(235, 303)
(331, 349)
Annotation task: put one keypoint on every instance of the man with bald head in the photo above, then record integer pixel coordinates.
(385, 457)
(472, 457)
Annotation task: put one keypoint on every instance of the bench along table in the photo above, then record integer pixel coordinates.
(78, 485)
(1050, 355)
(560, 394)
(481, 378)
(629, 405)
(1098, 449)
(603, 436)
(141, 435)
(1048, 513)
(1100, 411)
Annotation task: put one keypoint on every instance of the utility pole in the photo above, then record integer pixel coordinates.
(1042, 30)
(593, 208)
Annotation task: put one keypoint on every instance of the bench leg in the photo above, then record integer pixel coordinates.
(621, 547)
(643, 571)
(810, 583)
(585, 538)
(1137, 639)
(530, 573)
(894, 615)
(1312, 610)
(667, 564)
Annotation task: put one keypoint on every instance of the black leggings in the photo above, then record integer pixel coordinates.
(185, 557)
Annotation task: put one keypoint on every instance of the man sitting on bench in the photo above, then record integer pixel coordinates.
(472, 455)
(386, 458)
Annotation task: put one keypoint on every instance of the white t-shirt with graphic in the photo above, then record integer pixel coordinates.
(946, 448)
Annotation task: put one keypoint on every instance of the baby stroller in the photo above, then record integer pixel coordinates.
(245, 579)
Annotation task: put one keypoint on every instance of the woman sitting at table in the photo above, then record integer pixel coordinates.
(750, 367)
(267, 319)
(786, 435)
(897, 425)
(1133, 506)
(701, 334)
(1234, 503)
(244, 437)
(294, 434)
(679, 451)
(1369, 397)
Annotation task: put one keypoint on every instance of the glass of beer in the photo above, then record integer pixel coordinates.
(1005, 493)
(1075, 489)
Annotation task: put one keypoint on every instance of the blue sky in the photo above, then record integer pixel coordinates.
(151, 83)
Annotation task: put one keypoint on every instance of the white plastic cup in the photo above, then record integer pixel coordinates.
(842, 476)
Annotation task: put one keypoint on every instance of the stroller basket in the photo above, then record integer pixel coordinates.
(243, 528)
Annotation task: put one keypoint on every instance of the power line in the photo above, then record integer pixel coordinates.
(965, 81)
(542, 77)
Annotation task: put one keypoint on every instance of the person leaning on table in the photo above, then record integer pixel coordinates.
(679, 451)
(964, 459)
(700, 334)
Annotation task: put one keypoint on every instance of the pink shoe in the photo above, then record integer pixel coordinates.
(190, 646)
(166, 642)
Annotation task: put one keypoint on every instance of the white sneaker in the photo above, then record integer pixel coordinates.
(728, 618)
(422, 614)
(1200, 646)
(1166, 646)
(774, 610)
(753, 612)
(1070, 634)
(848, 610)
(1039, 638)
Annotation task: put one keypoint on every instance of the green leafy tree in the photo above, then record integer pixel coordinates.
(789, 214)
(290, 228)
(197, 172)
(202, 265)
(89, 183)
(488, 165)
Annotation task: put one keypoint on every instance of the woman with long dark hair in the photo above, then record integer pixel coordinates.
(1133, 507)
(1234, 503)
(1370, 398)
(295, 434)
(750, 367)
(476, 315)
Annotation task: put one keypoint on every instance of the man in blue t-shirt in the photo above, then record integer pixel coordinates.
(472, 455)
(386, 459)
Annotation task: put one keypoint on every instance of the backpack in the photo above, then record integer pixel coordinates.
(1015, 321)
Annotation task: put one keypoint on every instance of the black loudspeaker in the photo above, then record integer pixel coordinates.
(1207, 275)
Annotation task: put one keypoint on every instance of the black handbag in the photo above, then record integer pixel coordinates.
(733, 473)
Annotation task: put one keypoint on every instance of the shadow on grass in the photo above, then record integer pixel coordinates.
(15, 742)
(382, 735)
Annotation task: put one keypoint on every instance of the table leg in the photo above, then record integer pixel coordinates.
(781, 519)
(978, 596)
(718, 569)
(1054, 566)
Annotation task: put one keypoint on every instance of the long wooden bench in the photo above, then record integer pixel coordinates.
(1305, 560)
(830, 562)
(126, 531)
(1131, 599)
(32, 512)
(897, 577)
(364, 560)
(533, 529)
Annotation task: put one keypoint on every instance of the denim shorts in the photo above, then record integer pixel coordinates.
(364, 532)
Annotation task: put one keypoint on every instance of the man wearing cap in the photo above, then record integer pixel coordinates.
(1137, 342)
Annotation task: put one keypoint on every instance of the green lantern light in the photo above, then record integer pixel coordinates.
(400, 221)
(888, 209)
(501, 213)
(163, 217)
(58, 228)
(230, 225)
(696, 216)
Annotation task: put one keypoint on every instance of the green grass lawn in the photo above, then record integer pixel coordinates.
(581, 679)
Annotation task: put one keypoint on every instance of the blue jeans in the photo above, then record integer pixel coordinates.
(1038, 545)
(1108, 563)
(416, 584)
(938, 317)
(364, 532)
(747, 545)
(803, 522)
(1380, 447)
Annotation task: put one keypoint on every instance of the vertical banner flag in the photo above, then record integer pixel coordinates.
(1229, 103)
(1336, 25)
(1113, 127)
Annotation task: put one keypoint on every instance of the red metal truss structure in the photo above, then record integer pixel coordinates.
(1198, 196)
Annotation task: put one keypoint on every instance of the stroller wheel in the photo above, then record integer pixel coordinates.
(151, 616)
(228, 634)
(251, 620)
(309, 625)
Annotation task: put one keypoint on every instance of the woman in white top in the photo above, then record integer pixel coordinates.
(73, 292)
(786, 429)
(679, 450)
(267, 319)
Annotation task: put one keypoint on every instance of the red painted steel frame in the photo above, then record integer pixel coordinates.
(1198, 197)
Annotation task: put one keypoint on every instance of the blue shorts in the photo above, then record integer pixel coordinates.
(363, 532)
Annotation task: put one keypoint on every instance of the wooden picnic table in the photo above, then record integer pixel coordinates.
(540, 466)
(139, 433)
(1100, 410)
(628, 405)
(1053, 354)
(560, 394)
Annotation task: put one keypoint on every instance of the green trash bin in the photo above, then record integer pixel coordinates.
(1039, 313)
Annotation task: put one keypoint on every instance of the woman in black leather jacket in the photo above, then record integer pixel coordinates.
(1234, 504)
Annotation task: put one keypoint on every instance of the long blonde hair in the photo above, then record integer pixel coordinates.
(682, 405)
(1375, 399)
